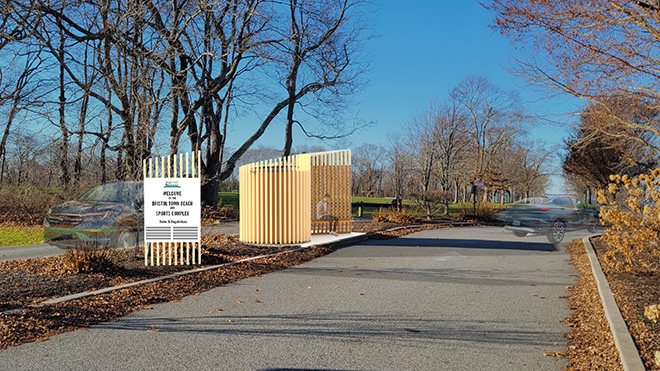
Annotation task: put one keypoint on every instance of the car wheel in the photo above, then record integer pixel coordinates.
(557, 232)
(124, 240)
(519, 233)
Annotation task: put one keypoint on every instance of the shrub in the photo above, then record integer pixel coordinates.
(89, 257)
(429, 201)
(482, 210)
(631, 210)
(212, 214)
(391, 215)
(30, 204)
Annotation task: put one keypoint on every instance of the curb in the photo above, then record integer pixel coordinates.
(628, 352)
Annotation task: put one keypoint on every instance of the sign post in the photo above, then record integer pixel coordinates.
(172, 210)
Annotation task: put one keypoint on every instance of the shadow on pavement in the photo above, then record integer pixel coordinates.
(437, 275)
(463, 243)
(343, 326)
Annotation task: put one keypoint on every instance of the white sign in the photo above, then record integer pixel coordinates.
(172, 210)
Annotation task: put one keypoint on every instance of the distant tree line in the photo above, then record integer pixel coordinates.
(477, 133)
(108, 76)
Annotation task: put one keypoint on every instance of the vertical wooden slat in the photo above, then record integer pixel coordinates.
(299, 200)
(144, 176)
(278, 223)
(147, 245)
(251, 208)
(199, 175)
(268, 186)
(289, 196)
(174, 247)
(188, 174)
(193, 168)
(160, 247)
(241, 206)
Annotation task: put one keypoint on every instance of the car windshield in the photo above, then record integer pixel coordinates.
(533, 200)
(556, 201)
(112, 192)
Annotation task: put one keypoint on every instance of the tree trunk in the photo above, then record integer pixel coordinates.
(64, 145)
(3, 142)
(77, 168)
(209, 191)
(288, 132)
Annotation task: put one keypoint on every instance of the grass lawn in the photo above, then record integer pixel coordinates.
(368, 211)
(226, 199)
(231, 199)
(21, 235)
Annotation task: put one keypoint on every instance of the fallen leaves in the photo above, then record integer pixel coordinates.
(40, 323)
(652, 312)
(592, 344)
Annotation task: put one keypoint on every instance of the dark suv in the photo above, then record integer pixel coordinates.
(551, 216)
(108, 213)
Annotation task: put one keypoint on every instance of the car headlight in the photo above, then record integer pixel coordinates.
(93, 217)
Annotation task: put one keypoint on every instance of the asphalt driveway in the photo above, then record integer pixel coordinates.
(451, 299)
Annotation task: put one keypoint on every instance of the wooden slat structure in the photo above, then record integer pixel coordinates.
(279, 197)
(175, 166)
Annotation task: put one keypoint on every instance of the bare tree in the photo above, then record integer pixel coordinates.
(319, 55)
(493, 116)
(129, 63)
(18, 94)
(592, 50)
(368, 168)
(524, 167)
(399, 166)
(451, 139)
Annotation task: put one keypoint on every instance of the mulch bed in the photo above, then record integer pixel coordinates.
(40, 323)
(29, 281)
(592, 345)
(634, 291)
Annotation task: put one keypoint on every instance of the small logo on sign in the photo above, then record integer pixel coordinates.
(172, 184)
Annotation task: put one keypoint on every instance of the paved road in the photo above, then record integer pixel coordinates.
(42, 250)
(451, 299)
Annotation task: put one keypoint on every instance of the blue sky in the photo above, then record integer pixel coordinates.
(424, 49)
